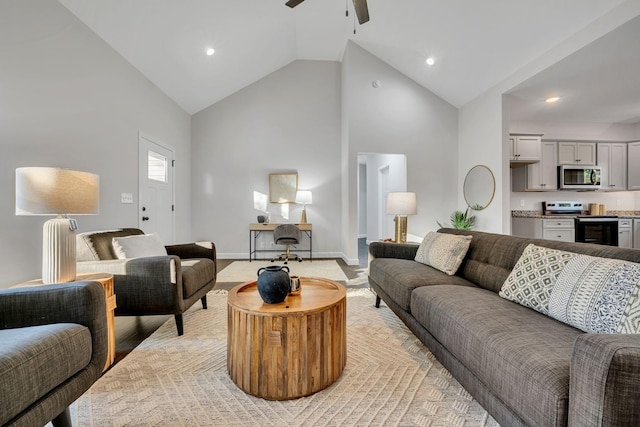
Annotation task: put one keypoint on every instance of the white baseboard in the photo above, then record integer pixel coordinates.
(303, 254)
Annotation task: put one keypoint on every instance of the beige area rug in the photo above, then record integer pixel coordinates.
(244, 271)
(390, 379)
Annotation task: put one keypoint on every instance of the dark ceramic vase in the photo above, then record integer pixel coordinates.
(273, 283)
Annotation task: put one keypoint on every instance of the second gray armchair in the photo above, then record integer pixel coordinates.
(151, 285)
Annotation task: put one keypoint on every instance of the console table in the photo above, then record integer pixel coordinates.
(256, 229)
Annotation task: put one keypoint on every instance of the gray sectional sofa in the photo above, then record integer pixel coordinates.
(524, 367)
(53, 347)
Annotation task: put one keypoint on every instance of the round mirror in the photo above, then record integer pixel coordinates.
(479, 187)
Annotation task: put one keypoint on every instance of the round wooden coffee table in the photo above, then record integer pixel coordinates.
(291, 349)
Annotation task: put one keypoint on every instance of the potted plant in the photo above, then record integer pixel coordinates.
(461, 220)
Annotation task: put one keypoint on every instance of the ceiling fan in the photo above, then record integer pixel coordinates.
(362, 11)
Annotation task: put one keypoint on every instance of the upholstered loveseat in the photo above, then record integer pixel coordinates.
(53, 347)
(524, 367)
(165, 284)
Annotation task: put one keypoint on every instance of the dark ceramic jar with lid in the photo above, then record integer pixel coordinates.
(274, 283)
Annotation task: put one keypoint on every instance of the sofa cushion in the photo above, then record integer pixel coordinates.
(598, 295)
(534, 275)
(98, 245)
(196, 273)
(521, 355)
(399, 277)
(444, 252)
(138, 246)
(36, 359)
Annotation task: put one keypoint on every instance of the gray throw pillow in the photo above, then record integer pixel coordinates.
(443, 251)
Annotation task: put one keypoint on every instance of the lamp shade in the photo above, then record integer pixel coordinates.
(401, 203)
(303, 197)
(54, 191)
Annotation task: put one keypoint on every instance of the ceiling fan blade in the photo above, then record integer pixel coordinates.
(362, 11)
(293, 3)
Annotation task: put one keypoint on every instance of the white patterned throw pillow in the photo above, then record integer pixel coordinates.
(138, 246)
(443, 251)
(598, 295)
(533, 277)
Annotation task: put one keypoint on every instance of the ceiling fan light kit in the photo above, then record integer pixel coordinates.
(362, 10)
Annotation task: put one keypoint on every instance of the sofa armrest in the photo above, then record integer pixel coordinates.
(193, 250)
(604, 386)
(393, 250)
(82, 303)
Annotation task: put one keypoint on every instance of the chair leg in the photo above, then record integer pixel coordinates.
(179, 324)
(62, 420)
(377, 301)
(204, 302)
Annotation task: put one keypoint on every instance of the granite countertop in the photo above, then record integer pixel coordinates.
(539, 214)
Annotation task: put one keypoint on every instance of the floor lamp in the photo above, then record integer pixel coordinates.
(60, 192)
(401, 204)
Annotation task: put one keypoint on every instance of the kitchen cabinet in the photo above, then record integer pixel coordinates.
(524, 148)
(636, 233)
(633, 162)
(541, 176)
(576, 153)
(558, 229)
(612, 159)
(625, 233)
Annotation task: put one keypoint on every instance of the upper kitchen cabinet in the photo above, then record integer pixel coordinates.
(541, 176)
(576, 153)
(633, 162)
(524, 148)
(612, 159)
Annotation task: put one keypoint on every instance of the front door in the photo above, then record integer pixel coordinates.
(156, 207)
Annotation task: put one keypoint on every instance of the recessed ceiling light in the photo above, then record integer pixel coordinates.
(211, 51)
(552, 99)
(430, 61)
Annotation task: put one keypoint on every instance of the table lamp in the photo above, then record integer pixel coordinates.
(303, 197)
(60, 192)
(401, 204)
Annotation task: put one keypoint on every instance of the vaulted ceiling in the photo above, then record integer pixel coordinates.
(476, 44)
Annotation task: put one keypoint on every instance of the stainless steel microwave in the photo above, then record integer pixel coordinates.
(576, 177)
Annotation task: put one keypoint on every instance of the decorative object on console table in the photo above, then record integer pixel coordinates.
(305, 198)
(401, 204)
(55, 191)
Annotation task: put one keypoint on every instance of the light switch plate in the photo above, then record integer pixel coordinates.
(126, 198)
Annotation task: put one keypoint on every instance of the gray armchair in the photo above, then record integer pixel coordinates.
(151, 285)
(54, 347)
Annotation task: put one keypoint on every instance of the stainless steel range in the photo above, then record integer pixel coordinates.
(597, 229)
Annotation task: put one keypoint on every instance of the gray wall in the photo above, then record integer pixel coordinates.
(398, 117)
(292, 121)
(68, 100)
(382, 228)
(287, 121)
